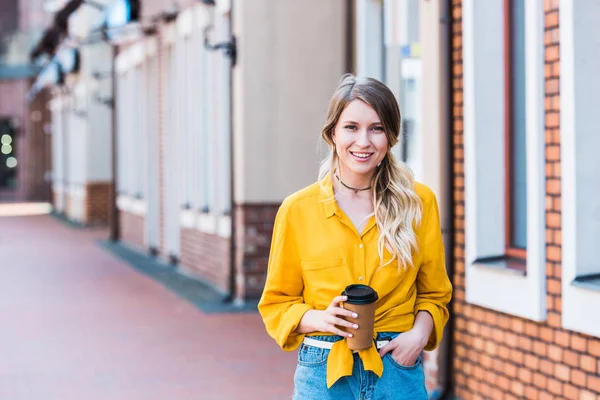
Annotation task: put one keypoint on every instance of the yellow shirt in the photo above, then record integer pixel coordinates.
(316, 252)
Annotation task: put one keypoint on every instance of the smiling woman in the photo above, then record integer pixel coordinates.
(366, 223)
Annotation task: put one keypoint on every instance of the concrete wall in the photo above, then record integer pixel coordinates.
(291, 56)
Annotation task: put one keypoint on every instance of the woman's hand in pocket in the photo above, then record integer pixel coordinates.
(406, 347)
(329, 320)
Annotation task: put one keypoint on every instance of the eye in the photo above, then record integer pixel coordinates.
(350, 126)
(378, 128)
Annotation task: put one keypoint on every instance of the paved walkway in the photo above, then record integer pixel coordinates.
(78, 323)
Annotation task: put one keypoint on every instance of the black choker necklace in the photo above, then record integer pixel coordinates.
(351, 188)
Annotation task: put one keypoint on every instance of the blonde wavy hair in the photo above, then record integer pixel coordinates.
(396, 205)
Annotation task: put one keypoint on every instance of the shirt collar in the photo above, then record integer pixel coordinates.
(327, 198)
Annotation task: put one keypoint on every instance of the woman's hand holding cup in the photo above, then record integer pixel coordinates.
(328, 320)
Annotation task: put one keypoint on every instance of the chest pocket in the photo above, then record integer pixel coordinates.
(324, 278)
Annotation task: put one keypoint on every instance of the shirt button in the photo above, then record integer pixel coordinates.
(360, 245)
(360, 278)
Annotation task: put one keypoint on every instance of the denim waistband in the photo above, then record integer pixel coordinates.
(336, 338)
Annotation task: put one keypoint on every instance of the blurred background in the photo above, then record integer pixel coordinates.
(146, 147)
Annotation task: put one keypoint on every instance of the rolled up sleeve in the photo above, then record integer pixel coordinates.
(282, 303)
(434, 289)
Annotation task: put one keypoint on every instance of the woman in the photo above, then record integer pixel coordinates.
(366, 221)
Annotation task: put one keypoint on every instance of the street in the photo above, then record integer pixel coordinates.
(78, 323)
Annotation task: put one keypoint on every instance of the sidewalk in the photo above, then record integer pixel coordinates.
(78, 323)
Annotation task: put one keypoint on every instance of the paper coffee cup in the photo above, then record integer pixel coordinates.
(361, 300)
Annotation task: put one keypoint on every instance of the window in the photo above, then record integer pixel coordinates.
(138, 133)
(504, 196)
(580, 164)
(515, 126)
(121, 90)
(131, 130)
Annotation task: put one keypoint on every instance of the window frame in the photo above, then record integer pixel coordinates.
(488, 276)
(578, 296)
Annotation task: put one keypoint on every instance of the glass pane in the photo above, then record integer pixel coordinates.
(518, 150)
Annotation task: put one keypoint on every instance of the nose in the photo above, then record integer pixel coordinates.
(362, 138)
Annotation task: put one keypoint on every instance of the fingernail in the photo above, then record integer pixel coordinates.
(355, 315)
(355, 326)
(350, 335)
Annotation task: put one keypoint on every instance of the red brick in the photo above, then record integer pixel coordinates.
(562, 372)
(518, 326)
(588, 363)
(517, 356)
(593, 382)
(554, 319)
(545, 396)
(530, 393)
(551, 22)
(525, 375)
(570, 392)
(562, 338)
(571, 358)
(540, 348)
(525, 343)
(555, 387)
(594, 347)
(547, 367)
(503, 382)
(578, 378)
(511, 339)
(540, 381)
(554, 287)
(555, 353)
(531, 329)
(532, 362)
(578, 343)
(587, 395)
(546, 334)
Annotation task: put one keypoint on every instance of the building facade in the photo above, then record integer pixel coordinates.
(526, 280)
(197, 185)
(215, 118)
(24, 127)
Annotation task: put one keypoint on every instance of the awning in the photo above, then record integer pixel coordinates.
(47, 43)
(53, 34)
(65, 60)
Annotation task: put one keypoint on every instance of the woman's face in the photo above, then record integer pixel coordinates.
(360, 141)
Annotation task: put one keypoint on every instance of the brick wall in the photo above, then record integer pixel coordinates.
(32, 144)
(98, 201)
(207, 256)
(68, 205)
(497, 355)
(254, 229)
(38, 148)
(131, 227)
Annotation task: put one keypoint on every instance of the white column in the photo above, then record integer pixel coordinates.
(369, 38)
(224, 121)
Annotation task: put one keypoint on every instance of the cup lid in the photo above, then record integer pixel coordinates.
(360, 294)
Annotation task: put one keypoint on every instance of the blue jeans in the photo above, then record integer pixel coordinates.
(398, 382)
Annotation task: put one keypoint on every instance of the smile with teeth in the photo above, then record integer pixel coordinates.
(362, 156)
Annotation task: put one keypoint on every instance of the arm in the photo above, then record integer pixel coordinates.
(434, 289)
(282, 304)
